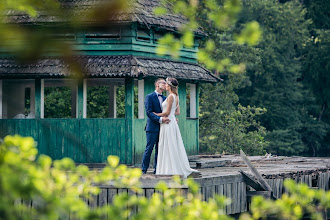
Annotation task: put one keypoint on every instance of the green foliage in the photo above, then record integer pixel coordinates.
(316, 78)
(98, 102)
(232, 131)
(221, 126)
(58, 188)
(221, 15)
(120, 101)
(58, 102)
(300, 203)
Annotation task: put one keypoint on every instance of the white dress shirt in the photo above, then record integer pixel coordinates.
(160, 98)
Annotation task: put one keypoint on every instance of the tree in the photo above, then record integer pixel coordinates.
(279, 88)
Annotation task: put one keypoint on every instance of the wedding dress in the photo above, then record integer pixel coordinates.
(172, 156)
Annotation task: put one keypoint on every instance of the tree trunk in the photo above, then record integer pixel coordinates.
(324, 108)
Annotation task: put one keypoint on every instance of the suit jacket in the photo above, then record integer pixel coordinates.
(152, 105)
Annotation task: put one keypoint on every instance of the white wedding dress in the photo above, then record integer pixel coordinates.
(172, 157)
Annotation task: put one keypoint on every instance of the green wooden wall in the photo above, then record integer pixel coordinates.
(83, 140)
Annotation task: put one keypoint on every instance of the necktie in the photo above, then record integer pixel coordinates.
(160, 98)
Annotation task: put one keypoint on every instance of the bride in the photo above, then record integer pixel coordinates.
(172, 156)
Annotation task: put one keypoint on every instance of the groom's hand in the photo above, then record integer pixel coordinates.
(166, 120)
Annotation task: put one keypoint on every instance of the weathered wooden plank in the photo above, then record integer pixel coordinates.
(244, 201)
(111, 194)
(239, 197)
(103, 197)
(221, 189)
(149, 193)
(234, 197)
(251, 182)
(254, 171)
(219, 180)
(228, 195)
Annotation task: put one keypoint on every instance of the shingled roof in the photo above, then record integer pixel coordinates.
(141, 12)
(107, 67)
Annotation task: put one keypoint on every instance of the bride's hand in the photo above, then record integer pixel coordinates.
(156, 113)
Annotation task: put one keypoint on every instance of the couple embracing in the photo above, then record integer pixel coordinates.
(163, 131)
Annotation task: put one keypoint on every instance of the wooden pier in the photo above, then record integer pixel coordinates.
(222, 176)
(227, 180)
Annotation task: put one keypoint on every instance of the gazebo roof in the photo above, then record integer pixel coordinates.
(141, 12)
(107, 67)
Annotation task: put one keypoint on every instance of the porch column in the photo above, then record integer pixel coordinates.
(39, 98)
(112, 101)
(141, 99)
(193, 101)
(0, 99)
(129, 116)
(81, 98)
(197, 115)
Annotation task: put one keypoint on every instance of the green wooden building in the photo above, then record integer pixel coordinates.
(118, 53)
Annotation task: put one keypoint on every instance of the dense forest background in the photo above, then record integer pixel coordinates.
(286, 81)
(278, 105)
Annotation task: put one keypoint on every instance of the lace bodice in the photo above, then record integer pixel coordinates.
(174, 106)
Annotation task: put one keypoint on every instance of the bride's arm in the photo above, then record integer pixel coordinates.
(177, 110)
(170, 100)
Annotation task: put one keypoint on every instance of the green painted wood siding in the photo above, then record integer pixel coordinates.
(83, 140)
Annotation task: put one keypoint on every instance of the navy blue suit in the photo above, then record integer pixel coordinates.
(152, 129)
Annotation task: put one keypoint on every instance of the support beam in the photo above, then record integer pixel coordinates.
(197, 116)
(81, 98)
(262, 182)
(193, 101)
(129, 116)
(112, 101)
(141, 99)
(39, 98)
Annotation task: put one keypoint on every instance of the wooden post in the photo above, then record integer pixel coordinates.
(81, 98)
(129, 116)
(39, 98)
(193, 101)
(112, 101)
(141, 99)
(197, 116)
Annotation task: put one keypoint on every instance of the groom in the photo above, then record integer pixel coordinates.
(153, 103)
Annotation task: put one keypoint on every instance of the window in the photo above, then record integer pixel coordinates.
(16, 99)
(59, 99)
(105, 98)
(143, 35)
(103, 34)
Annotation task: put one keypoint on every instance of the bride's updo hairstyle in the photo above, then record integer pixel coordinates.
(173, 83)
